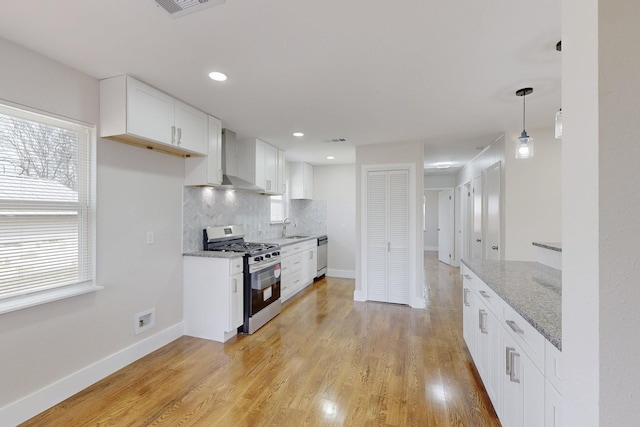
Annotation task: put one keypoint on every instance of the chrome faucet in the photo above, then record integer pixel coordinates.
(285, 221)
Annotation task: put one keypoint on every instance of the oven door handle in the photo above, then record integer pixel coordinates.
(262, 266)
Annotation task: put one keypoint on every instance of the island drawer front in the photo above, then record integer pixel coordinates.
(491, 299)
(528, 338)
(553, 365)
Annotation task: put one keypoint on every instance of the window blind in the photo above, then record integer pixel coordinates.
(46, 202)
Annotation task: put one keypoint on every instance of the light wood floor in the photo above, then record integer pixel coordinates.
(324, 361)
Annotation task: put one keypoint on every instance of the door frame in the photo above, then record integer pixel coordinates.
(416, 294)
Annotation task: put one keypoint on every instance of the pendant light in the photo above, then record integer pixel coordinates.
(524, 144)
(559, 124)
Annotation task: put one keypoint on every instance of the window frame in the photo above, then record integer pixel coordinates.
(86, 234)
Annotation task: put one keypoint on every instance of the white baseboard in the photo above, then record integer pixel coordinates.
(431, 248)
(359, 296)
(41, 400)
(343, 274)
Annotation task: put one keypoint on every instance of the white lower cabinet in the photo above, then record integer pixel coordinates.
(518, 367)
(299, 267)
(523, 388)
(213, 297)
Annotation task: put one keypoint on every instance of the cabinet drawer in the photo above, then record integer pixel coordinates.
(236, 266)
(490, 298)
(286, 250)
(469, 279)
(552, 368)
(295, 263)
(527, 337)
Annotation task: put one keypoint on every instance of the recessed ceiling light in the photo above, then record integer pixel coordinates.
(443, 165)
(298, 134)
(217, 76)
(330, 157)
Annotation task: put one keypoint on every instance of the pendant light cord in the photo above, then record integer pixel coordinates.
(524, 110)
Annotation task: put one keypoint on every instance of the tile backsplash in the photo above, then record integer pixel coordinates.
(208, 206)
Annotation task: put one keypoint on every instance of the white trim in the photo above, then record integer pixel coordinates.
(342, 274)
(361, 295)
(25, 301)
(41, 400)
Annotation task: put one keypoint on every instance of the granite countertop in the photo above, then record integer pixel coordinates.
(283, 241)
(215, 254)
(551, 246)
(533, 290)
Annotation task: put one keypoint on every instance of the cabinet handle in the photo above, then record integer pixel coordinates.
(464, 297)
(179, 136)
(495, 248)
(268, 184)
(478, 240)
(173, 135)
(388, 246)
(235, 285)
(484, 294)
(508, 360)
(466, 276)
(514, 327)
(481, 315)
(515, 367)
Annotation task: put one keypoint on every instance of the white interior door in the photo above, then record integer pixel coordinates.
(467, 220)
(445, 226)
(476, 233)
(388, 270)
(492, 247)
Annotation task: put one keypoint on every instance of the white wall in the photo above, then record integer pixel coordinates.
(337, 185)
(533, 195)
(431, 220)
(138, 191)
(439, 181)
(601, 207)
(392, 154)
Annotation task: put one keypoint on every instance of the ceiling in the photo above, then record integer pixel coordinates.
(443, 73)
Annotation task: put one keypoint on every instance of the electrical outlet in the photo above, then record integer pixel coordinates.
(151, 238)
(145, 320)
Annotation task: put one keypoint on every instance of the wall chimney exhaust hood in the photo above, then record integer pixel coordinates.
(230, 179)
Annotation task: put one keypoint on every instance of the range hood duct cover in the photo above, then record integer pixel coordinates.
(230, 165)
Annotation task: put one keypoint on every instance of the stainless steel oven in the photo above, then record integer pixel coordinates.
(264, 284)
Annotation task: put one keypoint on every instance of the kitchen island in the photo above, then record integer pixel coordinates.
(512, 325)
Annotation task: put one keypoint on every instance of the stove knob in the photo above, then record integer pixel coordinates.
(258, 259)
(276, 253)
(267, 256)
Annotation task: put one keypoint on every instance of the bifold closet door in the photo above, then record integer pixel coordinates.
(388, 236)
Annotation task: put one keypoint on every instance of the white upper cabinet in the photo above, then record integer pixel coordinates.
(258, 163)
(207, 170)
(301, 180)
(136, 113)
(282, 186)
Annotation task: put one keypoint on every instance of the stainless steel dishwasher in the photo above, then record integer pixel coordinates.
(322, 256)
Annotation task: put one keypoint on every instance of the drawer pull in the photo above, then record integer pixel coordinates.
(508, 360)
(466, 276)
(485, 294)
(514, 327)
(464, 297)
(515, 367)
(481, 317)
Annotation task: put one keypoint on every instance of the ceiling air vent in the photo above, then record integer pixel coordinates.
(178, 8)
(336, 140)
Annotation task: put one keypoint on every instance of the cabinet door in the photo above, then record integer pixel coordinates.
(307, 177)
(552, 406)
(469, 310)
(494, 370)
(214, 154)
(281, 188)
(271, 169)
(261, 155)
(149, 112)
(523, 388)
(191, 128)
(237, 302)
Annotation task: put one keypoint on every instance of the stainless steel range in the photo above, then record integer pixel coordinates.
(261, 273)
